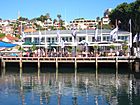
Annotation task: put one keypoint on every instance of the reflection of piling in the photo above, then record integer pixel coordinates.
(56, 70)
(20, 73)
(116, 67)
(137, 66)
(3, 72)
(96, 61)
(75, 64)
(116, 64)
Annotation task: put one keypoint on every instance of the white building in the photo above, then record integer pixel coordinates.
(45, 38)
(83, 24)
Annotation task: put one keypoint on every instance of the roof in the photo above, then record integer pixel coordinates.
(78, 32)
(9, 37)
(29, 30)
(6, 45)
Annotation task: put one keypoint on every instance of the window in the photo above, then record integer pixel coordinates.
(66, 39)
(81, 38)
(70, 39)
(93, 39)
(108, 38)
(99, 38)
(104, 38)
(119, 37)
(43, 39)
(48, 39)
(52, 40)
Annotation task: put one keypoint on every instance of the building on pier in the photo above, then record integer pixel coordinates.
(83, 37)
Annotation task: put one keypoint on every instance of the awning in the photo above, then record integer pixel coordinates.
(6, 44)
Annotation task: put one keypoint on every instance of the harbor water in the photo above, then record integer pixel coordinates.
(84, 87)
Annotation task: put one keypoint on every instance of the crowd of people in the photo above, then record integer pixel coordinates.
(42, 52)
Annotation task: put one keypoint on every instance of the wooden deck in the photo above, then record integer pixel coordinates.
(68, 59)
(75, 60)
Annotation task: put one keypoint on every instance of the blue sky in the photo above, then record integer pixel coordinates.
(69, 9)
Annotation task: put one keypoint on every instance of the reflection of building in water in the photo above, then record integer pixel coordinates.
(137, 87)
(45, 87)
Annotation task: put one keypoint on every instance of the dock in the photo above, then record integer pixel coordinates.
(75, 60)
(116, 60)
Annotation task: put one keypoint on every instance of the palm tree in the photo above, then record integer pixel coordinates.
(95, 49)
(125, 48)
(47, 16)
(97, 20)
(59, 18)
(54, 21)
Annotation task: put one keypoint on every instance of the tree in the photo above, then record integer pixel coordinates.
(54, 21)
(22, 19)
(47, 16)
(98, 19)
(2, 35)
(124, 12)
(96, 49)
(33, 48)
(125, 48)
(59, 16)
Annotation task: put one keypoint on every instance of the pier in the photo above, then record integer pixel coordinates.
(74, 60)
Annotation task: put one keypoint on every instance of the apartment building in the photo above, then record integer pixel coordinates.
(83, 24)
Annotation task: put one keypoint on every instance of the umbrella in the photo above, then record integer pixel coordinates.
(6, 44)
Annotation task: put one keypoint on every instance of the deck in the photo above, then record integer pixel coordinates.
(74, 60)
(68, 59)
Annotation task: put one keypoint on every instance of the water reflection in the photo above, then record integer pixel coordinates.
(68, 89)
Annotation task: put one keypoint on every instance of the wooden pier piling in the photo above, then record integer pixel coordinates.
(74, 60)
(20, 63)
(38, 64)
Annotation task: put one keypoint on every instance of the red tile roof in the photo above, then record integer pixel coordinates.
(10, 37)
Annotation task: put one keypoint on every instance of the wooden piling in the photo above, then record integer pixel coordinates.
(3, 64)
(56, 63)
(20, 63)
(38, 64)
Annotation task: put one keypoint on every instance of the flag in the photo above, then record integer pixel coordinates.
(135, 38)
(130, 22)
(62, 43)
(22, 36)
(113, 34)
(139, 37)
(58, 35)
(96, 34)
(74, 33)
(40, 37)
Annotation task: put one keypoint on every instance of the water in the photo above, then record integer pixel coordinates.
(69, 89)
